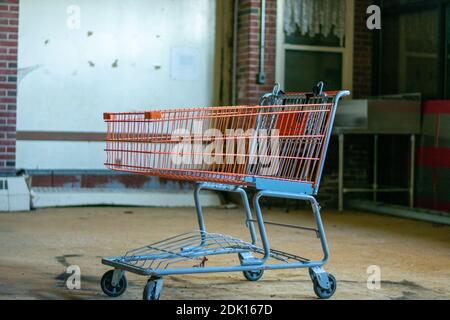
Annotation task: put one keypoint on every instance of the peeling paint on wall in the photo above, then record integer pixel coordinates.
(119, 60)
(23, 72)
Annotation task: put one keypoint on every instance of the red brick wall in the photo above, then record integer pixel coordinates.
(248, 89)
(357, 169)
(363, 51)
(9, 15)
(358, 149)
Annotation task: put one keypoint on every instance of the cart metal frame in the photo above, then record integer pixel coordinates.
(158, 259)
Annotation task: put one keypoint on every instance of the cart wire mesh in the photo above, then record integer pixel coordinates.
(284, 138)
(192, 249)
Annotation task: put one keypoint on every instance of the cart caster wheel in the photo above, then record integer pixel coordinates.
(325, 293)
(152, 290)
(109, 289)
(253, 275)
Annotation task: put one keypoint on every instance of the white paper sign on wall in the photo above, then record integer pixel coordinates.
(185, 63)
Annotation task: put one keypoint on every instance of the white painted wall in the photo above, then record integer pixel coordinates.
(67, 79)
(68, 155)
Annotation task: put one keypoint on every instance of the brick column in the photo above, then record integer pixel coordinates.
(363, 51)
(9, 18)
(248, 48)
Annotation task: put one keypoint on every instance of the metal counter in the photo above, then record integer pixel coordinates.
(394, 115)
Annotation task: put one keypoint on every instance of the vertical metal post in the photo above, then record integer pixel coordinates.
(249, 215)
(323, 239)
(262, 229)
(412, 168)
(375, 168)
(262, 74)
(341, 173)
(198, 208)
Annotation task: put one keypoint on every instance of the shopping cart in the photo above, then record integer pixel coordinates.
(278, 148)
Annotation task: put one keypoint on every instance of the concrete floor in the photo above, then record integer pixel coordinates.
(36, 248)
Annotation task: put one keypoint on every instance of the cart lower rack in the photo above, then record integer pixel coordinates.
(278, 148)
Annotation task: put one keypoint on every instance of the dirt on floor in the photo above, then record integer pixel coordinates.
(37, 247)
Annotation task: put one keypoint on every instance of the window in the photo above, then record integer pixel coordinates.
(414, 48)
(410, 53)
(315, 43)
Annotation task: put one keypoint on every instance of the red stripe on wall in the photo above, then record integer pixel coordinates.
(436, 106)
(433, 157)
(433, 204)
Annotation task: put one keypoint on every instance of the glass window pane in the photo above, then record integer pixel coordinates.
(410, 54)
(303, 69)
